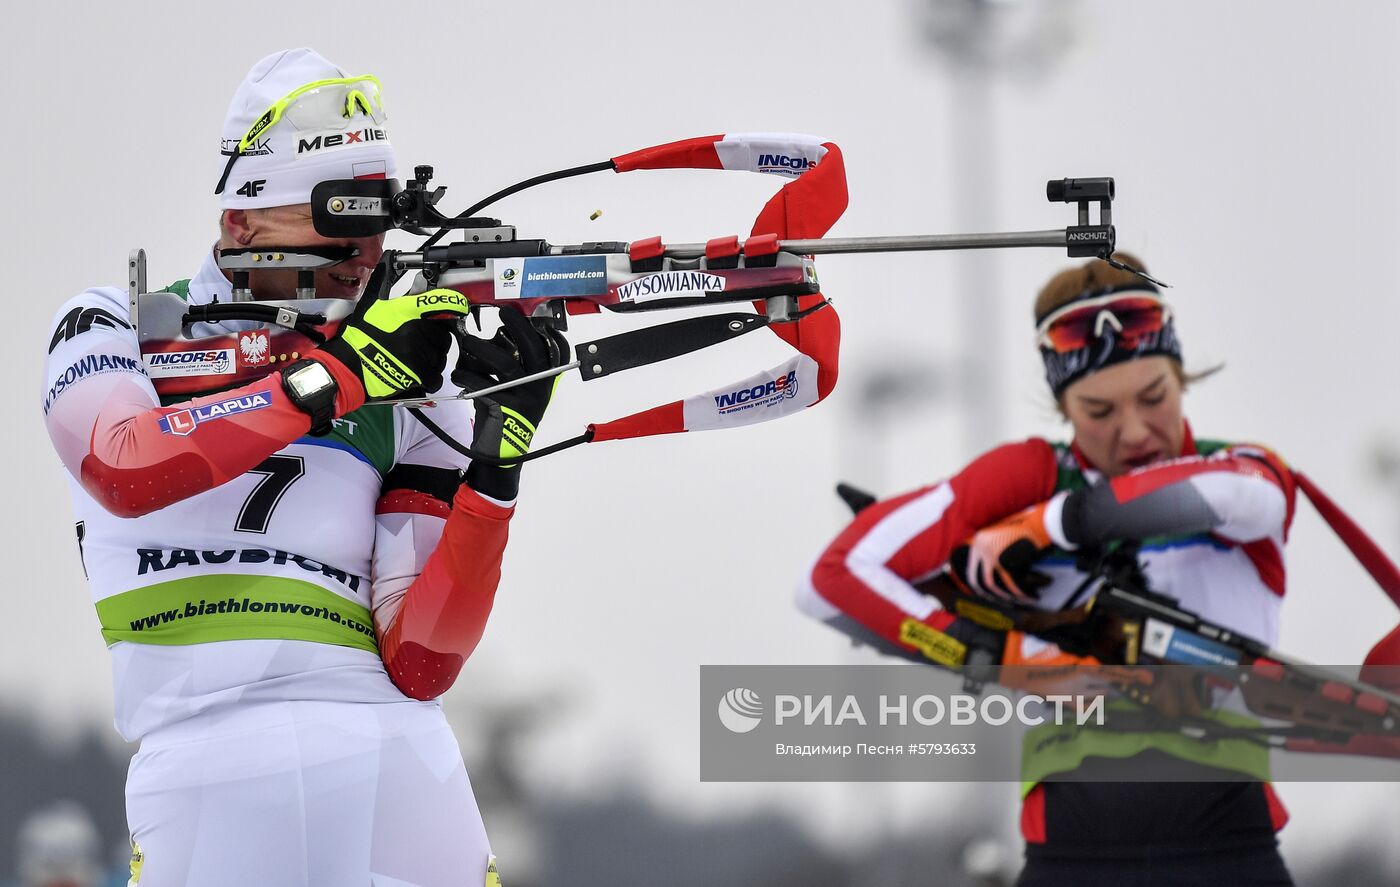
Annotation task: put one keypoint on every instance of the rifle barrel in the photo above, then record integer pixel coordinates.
(898, 243)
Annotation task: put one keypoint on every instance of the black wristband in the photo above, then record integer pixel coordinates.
(494, 481)
(314, 396)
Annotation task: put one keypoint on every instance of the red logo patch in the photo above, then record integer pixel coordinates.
(181, 423)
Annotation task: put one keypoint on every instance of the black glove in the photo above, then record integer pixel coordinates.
(397, 347)
(506, 421)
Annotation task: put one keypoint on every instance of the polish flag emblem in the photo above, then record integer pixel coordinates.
(370, 169)
(253, 348)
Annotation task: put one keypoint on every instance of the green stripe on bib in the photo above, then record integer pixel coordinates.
(1050, 749)
(202, 609)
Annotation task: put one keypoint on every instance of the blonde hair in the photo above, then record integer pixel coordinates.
(1093, 275)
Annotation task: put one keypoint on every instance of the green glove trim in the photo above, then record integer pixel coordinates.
(516, 434)
(382, 374)
(387, 346)
(390, 314)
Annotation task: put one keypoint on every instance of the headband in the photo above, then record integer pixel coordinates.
(1105, 343)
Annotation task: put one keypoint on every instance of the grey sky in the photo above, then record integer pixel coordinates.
(1253, 144)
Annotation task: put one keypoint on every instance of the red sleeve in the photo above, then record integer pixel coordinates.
(131, 454)
(444, 610)
(141, 459)
(865, 573)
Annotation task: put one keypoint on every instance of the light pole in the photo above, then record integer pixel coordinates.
(982, 42)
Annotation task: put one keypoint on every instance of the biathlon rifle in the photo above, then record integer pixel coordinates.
(1115, 618)
(773, 269)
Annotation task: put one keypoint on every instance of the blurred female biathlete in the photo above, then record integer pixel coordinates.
(287, 573)
(1215, 516)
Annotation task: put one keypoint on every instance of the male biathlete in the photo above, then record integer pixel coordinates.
(1213, 517)
(287, 573)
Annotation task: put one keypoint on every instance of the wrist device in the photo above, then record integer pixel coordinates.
(310, 386)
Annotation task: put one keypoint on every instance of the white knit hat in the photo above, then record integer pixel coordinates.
(284, 163)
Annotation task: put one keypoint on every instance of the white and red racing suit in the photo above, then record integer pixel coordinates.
(282, 612)
(1213, 524)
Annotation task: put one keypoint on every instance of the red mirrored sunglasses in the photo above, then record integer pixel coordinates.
(1132, 315)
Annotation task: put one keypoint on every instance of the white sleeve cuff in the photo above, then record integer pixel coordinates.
(503, 503)
(1054, 521)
